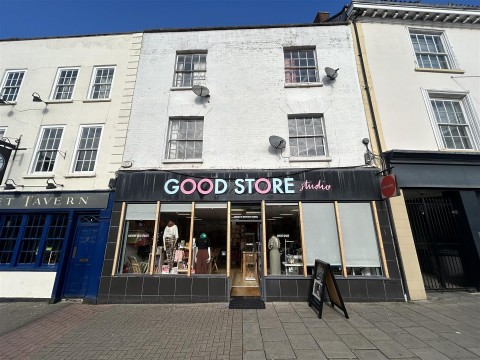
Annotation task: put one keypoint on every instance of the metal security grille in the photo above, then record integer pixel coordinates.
(89, 219)
(438, 243)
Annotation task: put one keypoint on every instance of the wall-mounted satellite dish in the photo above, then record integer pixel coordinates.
(277, 142)
(331, 73)
(200, 90)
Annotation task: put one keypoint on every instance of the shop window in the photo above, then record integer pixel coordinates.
(321, 235)
(138, 238)
(40, 239)
(211, 220)
(173, 251)
(359, 239)
(284, 242)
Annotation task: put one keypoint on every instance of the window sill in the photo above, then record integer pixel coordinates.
(39, 176)
(460, 151)
(9, 103)
(96, 100)
(303, 85)
(59, 102)
(180, 88)
(176, 161)
(89, 175)
(310, 159)
(448, 71)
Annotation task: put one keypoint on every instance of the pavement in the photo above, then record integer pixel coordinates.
(446, 326)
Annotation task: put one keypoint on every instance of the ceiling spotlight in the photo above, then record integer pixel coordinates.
(10, 185)
(51, 184)
(331, 73)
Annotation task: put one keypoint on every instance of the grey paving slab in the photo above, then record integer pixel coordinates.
(369, 355)
(278, 350)
(450, 349)
(409, 341)
(392, 349)
(374, 334)
(303, 342)
(309, 354)
(336, 350)
(295, 329)
(254, 355)
(274, 334)
(429, 354)
(357, 342)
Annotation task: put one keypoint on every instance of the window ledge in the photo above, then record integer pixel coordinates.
(302, 85)
(39, 176)
(310, 158)
(9, 103)
(89, 175)
(59, 102)
(180, 88)
(460, 150)
(176, 161)
(96, 100)
(448, 71)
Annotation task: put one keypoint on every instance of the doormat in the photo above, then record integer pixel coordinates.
(246, 303)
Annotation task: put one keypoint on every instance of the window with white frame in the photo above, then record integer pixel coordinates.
(307, 135)
(300, 66)
(102, 82)
(455, 121)
(185, 139)
(190, 69)
(87, 148)
(47, 148)
(3, 130)
(11, 85)
(65, 84)
(431, 50)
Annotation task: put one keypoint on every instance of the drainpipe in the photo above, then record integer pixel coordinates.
(379, 145)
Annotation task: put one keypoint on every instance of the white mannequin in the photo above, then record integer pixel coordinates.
(170, 231)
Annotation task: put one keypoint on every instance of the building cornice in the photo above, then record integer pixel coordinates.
(456, 14)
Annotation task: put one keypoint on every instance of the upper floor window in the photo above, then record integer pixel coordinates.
(87, 148)
(47, 148)
(300, 66)
(307, 135)
(454, 120)
(190, 70)
(11, 85)
(64, 84)
(431, 50)
(3, 130)
(101, 82)
(185, 139)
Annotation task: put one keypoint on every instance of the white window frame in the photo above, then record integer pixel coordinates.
(324, 136)
(169, 138)
(193, 71)
(37, 147)
(92, 82)
(469, 112)
(56, 84)
(4, 130)
(315, 58)
(451, 60)
(77, 144)
(4, 81)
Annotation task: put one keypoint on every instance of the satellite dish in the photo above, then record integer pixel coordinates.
(277, 142)
(331, 73)
(200, 90)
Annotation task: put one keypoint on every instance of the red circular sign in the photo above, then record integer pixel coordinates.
(388, 186)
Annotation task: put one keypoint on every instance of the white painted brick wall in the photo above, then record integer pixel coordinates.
(249, 102)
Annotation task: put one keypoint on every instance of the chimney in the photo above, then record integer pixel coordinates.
(321, 17)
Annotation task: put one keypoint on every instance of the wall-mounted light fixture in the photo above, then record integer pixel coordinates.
(51, 184)
(11, 185)
(37, 98)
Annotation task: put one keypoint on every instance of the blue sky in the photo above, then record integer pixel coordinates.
(39, 18)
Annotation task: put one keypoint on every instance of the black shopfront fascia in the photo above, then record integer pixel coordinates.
(346, 184)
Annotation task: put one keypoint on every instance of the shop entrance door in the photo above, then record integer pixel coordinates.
(246, 255)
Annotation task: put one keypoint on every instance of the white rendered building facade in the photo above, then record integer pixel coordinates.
(197, 153)
(65, 104)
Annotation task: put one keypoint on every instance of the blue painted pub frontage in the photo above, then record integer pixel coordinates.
(52, 244)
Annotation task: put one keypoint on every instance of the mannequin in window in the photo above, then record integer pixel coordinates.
(274, 247)
(170, 237)
(203, 254)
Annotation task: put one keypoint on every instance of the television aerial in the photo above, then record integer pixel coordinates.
(201, 91)
(331, 73)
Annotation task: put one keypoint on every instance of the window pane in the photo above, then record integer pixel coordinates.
(300, 66)
(8, 237)
(320, 233)
(47, 149)
(87, 148)
(358, 233)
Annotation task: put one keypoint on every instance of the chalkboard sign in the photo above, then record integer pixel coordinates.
(323, 279)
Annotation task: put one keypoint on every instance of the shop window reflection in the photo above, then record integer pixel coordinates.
(284, 244)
